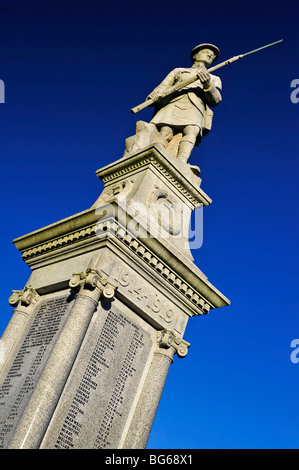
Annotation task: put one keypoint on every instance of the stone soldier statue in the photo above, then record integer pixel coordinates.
(187, 111)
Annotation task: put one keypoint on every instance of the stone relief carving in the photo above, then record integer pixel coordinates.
(166, 210)
(119, 190)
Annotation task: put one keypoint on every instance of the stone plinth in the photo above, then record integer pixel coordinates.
(104, 311)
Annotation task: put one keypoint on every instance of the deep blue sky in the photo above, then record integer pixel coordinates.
(72, 72)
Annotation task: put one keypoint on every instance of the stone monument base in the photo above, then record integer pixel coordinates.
(95, 329)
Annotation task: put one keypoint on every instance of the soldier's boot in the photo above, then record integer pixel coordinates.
(185, 150)
(187, 143)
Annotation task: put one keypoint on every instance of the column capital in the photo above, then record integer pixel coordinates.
(167, 340)
(91, 280)
(25, 297)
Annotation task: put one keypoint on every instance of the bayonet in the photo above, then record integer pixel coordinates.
(180, 85)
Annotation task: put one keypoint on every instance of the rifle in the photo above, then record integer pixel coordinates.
(195, 77)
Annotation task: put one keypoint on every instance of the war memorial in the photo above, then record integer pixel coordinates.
(103, 314)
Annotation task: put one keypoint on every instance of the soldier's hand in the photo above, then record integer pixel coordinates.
(204, 77)
(154, 95)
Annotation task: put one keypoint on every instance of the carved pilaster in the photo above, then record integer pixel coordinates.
(23, 300)
(167, 345)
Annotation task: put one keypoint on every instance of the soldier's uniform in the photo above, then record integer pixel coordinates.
(189, 106)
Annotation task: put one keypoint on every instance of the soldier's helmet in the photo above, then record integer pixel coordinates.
(205, 46)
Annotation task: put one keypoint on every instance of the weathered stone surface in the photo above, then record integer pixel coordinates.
(146, 134)
(24, 370)
(98, 398)
(104, 311)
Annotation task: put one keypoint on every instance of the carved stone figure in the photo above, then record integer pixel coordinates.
(187, 111)
(182, 115)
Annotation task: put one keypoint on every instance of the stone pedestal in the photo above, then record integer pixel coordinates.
(104, 311)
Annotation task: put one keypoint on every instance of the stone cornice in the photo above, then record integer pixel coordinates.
(112, 229)
(52, 244)
(178, 173)
(57, 231)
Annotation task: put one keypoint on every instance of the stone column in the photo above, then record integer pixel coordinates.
(40, 408)
(24, 300)
(139, 431)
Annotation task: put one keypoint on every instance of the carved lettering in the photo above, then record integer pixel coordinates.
(153, 302)
(106, 387)
(27, 366)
